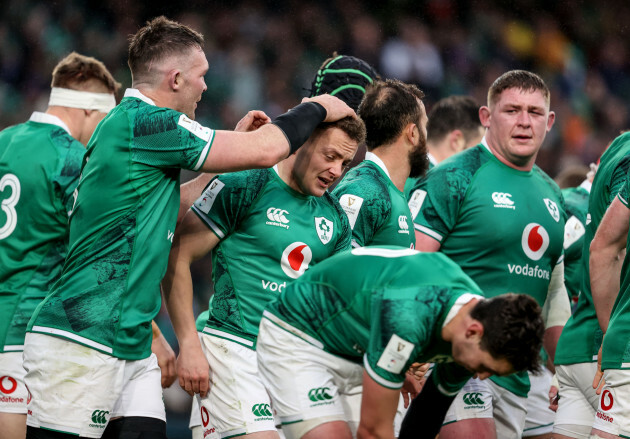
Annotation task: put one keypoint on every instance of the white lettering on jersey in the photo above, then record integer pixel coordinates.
(503, 200)
(573, 230)
(169, 236)
(526, 270)
(205, 202)
(277, 217)
(351, 204)
(552, 207)
(415, 202)
(588, 219)
(8, 204)
(402, 224)
(194, 127)
(324, 229)
(273, 286)
(395, 355)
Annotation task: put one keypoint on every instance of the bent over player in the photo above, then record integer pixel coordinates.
(367, 316)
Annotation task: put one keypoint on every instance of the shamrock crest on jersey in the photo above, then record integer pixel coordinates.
(324, 228)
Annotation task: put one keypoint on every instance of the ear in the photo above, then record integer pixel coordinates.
(474, 330)
(550, 120)
(484, 116)
(456, 141)
(174, 79)
(412, 133)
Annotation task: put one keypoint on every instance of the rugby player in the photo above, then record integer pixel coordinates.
(99, 313)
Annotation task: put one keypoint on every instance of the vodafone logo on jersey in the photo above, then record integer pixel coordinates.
(295, 259)
(7, 384)
(535, 241)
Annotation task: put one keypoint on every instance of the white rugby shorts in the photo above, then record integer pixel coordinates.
(613, 410)
(578, 400)
(540, 417)
(13, 393)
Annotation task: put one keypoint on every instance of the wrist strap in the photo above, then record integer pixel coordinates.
(298, 123)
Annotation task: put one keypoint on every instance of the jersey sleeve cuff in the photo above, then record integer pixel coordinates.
(208, 222)
(379, 379)
(432, 233)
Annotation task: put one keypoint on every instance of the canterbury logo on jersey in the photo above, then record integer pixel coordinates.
(503, 200)
(402, 224)
(99, 417)
(473, 399)
(277, 217)
(261, 410)
(319, 394)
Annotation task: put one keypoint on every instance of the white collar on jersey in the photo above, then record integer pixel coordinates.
(135, 93)
(432, 159)
(374, 158)
(461, 301)
(40, 117)
(586, 185)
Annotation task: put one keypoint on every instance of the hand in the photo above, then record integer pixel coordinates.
(166, 359)
(598, 380)
(335, 108)
(554, 397)
(419, 370)
(193, 370)
(411, 387)
(252, 121)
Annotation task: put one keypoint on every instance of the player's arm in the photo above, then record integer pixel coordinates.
(190, 191)
(165, 356)
(425, 243)
(378, 409)
(605, 263)
(192, 240)
(271, 143)
(556, 311)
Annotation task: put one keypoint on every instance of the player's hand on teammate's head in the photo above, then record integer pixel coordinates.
(252, 121)
(335, 108)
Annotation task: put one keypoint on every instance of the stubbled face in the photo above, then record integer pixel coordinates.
(418, 155)
(321, 161)
(517, 124)
(469, 354)
(193, 69)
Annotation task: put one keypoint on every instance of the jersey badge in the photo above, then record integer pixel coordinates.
(503, 200)
(324, 229)
(205, 202)
(552, 207)
(415, 202)
(395, 355)
(194, 127)
(351, 204)
(277, 217)
(573, 230)
(402, 224)
(295, 259)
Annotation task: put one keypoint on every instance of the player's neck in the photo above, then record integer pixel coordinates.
(397, 168)
(72, 117)
(285, 172)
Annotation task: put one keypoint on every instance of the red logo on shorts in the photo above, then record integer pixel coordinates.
(7, 390)
(606, 395)
(29, 396)
(205, 417)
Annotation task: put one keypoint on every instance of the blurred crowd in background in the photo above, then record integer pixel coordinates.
(263, 55)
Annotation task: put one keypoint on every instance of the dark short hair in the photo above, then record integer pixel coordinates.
(453, 113)
(521, 79)
(160, 38)
(513, 329)
(571, 176)
(387, 108)
(352, 126)
(345, 77)
(80, 72)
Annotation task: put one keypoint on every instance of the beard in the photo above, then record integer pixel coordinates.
(418, 159)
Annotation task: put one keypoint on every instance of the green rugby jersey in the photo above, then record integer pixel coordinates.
(377, 210)
(616, 344)
(383, 306)
(582, 336)
(502, 226)
(576, 202)
(413, 181)
(122, 227)
(39, 170)
(270, 235)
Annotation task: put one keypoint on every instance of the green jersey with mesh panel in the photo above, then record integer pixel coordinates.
(581, 337)
(39, 170)
(377, 210)
(122, 227)
(503, 227)
(383, 306)
(270, 235)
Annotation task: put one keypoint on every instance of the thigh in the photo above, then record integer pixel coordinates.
(578, 400)
(613, 411)
(540, 417)
(73, 388)
(237, 402)
(13, 393)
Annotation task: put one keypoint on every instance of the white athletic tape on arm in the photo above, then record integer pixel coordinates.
(557, 308)
(65, 97)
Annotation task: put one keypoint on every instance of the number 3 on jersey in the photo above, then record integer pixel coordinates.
(8, 204)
